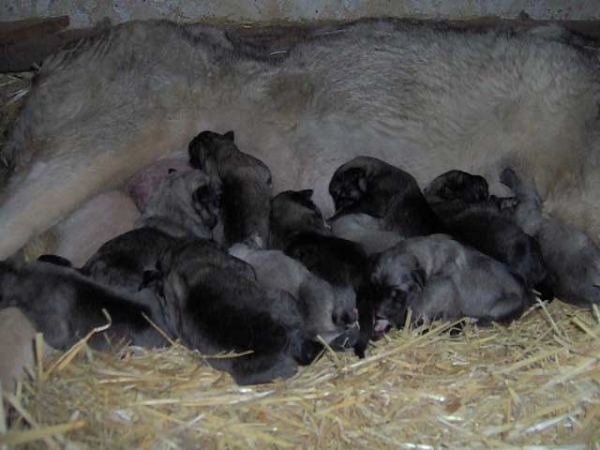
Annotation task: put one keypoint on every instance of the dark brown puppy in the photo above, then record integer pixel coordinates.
(215, 304)
(65, 306)
(246, 185)
(485, 223)
(299, 228)
(366, 185)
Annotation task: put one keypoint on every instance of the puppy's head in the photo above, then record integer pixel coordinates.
(348, 187)
(458, 185)
(398, 279)
(294, 211)
(207, 145)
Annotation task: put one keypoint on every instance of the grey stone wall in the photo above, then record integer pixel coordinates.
(85, 13)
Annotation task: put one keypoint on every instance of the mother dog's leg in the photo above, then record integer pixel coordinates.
(46, 190)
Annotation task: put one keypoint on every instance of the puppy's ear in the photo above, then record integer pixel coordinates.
(230, 135)
(306, 193)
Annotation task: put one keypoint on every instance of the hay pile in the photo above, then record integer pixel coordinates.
(535, 383)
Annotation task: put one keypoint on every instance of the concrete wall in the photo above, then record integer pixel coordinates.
(85, 13)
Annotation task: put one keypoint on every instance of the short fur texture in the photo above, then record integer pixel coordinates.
(571, 257)
(185, 205)
(463, 202)
(215, 304)
(301, 231)
(366, 185)
(246, 185)
(438, 278)
(321, 305)
(65, 306)
(421, 96)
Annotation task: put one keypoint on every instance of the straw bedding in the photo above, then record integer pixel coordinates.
(533, 384)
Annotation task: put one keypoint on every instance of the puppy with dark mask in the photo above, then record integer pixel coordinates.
(322, 306)
(366, 185)
(65, 306)
(216, 305)
(297, 226)
(485, 223)
(438, 278)
(185, 205)
(572, 259)
(246, 185)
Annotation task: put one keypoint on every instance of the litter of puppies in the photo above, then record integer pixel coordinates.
(279, 299)
(467, 384)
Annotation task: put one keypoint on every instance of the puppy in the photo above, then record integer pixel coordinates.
(246, 185)
(321, 305)
(292, 213)
(458, 185)
(477, 219)
(298, 227)
(572, 258)
(216, 305)
(65, 306)
(367, 185)
(185, 205)
(438, 278)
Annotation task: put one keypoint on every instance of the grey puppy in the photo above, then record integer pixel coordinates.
(321, 304)
(571, 257)
(185, 205)
(216, 305)
(485, 222)
(366, 185)
(65, 306)
(297, 225)
(437, 277)
(246, 185)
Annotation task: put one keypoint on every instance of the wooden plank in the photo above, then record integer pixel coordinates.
(21, 30)
(25, 55)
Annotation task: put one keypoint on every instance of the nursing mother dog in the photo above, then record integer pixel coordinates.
(419, 96)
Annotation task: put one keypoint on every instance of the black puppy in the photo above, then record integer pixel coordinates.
(65, 306)
(485, 223)
(299, 228)
(367, 185)
(215, 304)
(246, 185)
(185, 205)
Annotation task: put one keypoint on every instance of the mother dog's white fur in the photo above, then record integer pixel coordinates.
(422, 98)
